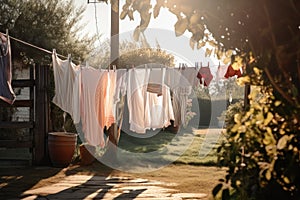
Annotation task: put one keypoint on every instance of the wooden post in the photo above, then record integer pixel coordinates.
(114, 60)
(114, 43)
(41, 114)
(247, 88)
(31, 109)
(246, 94)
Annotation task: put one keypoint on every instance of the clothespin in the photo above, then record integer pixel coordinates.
(114, 68)
(7, 32)
(54, 51)
(202, 79)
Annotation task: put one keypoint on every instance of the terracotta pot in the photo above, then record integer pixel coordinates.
(61, 147)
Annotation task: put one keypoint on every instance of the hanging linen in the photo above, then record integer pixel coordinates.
(119, 98)
(121, 84)
(159, 109)
(148, 110)
(190, 76)
(232, 72)
(93, 132)
(156, 78)
(6, 92)
(66, 79)
(136, 99)
(181, 82)
(158, 100)
(172, 79)
(221, 71)
(205, 75)
(104, 99)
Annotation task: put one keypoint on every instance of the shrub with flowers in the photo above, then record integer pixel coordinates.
(189, 113)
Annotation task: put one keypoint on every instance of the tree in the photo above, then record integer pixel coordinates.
(132, 53)
(265, 30)
(47, 24)
(262, 147)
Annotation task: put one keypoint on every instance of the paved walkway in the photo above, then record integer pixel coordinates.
(100, 187)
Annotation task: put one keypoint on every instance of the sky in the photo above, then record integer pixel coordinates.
(160, 29)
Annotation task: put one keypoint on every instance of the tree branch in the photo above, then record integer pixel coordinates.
(275, 85)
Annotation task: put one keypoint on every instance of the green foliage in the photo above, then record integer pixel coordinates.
(47, 24)
(228, 114)
(146, 55)
(132, 53)
(265, 30)
(262, 149)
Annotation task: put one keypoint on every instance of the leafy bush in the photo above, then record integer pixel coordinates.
(227, 115)
(261, 150)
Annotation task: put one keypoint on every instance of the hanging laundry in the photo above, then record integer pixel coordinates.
(119, 98)
(205, 74)
(174, 79)
(156, 78)
(159, 109)
(232, 72)
(176, 103)
(159, 105)
(6, 92)
(182, 81)
(189, 73)
(66, 79)
(93, 132)
(184, 93)
(147, 110)
(121, 83)
(136, 98)
(221, 71)
(104, 99)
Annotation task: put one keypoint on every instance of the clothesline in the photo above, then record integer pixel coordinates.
(34, 46)
(50, 52)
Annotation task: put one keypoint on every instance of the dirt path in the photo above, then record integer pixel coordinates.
(171, 180)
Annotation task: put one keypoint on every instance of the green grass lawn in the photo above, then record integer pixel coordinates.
(196, 146)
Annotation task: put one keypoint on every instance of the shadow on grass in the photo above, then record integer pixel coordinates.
(191, 146)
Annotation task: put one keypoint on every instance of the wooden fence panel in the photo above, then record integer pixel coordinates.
(37, 125)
